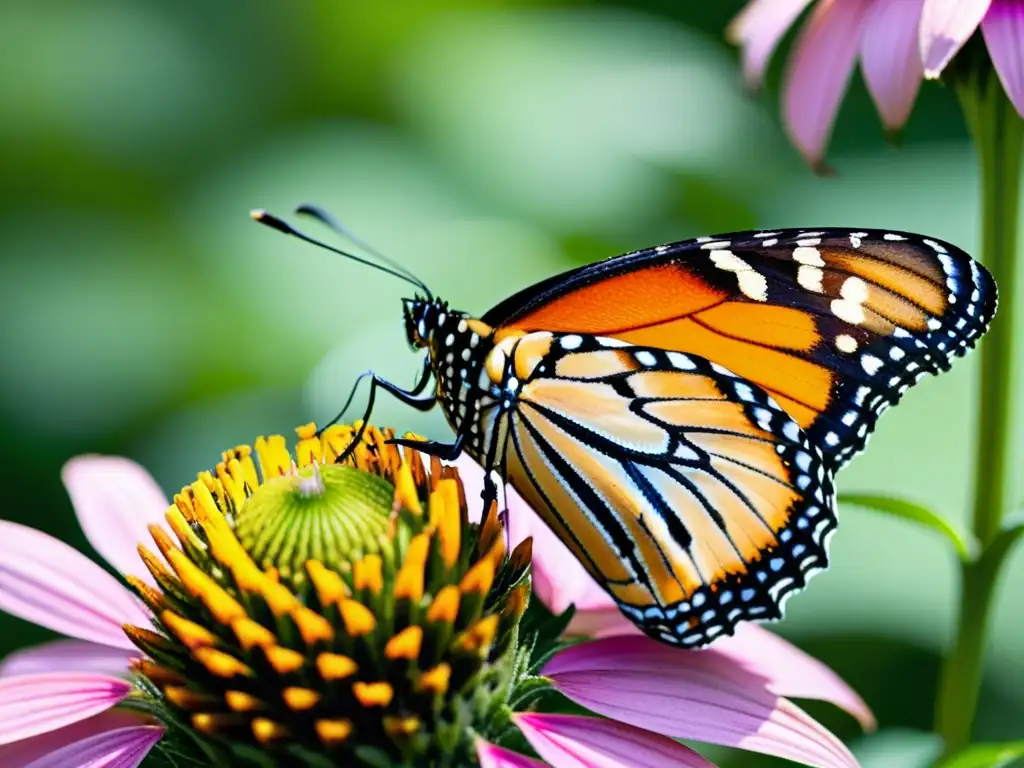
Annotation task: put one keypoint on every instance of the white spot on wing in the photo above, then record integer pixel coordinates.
(846, 343)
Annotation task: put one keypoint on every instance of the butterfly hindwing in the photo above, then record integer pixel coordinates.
(835, 324)
(685, 490)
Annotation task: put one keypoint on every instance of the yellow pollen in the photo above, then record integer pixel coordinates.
(401, 726)
(406, 496)
(479, 637)
(272, 454)
(490, 530)
(266, 730)
(312, 626)
(154, 599)
(409, 579)
(240, 701)
(163, 577)
(250, 633)
(373, 694)
(330, 588)
(278, 597)
(406, 644)
(220, 664)
(445, 606)
(183, 698)
(359, 620)
(310, 448)
(446, 518)
(162, 540)
(517, 601)
(209, 723)
(157, 675)
(147, 638)
(435, 680)
(284, 660)
(181, 529)
(334, 666)
(190, 634)
(223, 607)
(479, 578)
(300, 699)
(368, 574)
(332, 732)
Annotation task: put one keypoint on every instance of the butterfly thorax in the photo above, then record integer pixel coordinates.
(458, 345)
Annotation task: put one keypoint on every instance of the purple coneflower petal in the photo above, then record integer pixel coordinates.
(575, 741)
(945, 26)
(701, 696)
(120, 748)
(790, 671)
(491, 756)
(115, 499)
(68, 656)
(35, 704)
(45, 581)
(818, 72)
(891, 58)
(1003, 28)
(22, 753)
(758, 29)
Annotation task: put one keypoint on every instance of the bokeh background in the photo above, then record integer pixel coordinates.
(485, 144)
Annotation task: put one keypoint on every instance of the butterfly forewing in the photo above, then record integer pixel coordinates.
(683, 488)
(835, 325)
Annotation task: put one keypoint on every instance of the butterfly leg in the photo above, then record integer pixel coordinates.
(444, 451)
(409, 397)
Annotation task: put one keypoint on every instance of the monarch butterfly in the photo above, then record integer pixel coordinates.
(677, 414)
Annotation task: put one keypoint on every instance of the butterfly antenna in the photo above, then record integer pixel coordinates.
(325, 218)
(269, 220)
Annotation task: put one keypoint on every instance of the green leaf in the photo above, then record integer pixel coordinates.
(965, 545)
(986, 756)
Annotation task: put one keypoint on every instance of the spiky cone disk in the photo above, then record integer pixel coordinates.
(320, 613)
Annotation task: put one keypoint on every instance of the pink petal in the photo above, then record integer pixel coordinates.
(34, 704)
(600, 622)
(790, 671)
(115, 499)
(574, 741)
(45, 581)
(68, 656)
(758, 29)
(120, 748)
(491, 756)
(945, 26)
(1003, 28)
(818, 72)
(22, 753)
(702, 696)
(891, 57)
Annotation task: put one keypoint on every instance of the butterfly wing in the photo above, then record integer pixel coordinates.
(685, 490)
(835, 325)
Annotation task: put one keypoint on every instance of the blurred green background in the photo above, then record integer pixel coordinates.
(485, 144)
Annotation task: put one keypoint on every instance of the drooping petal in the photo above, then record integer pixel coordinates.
(758, 29)
(790, 671)
(115, 499)
(575, 741)
(600, 622)
(35, 704)
(21, 753)
(120, 748)
(45, 581)
(1003, 28)
(891, 58)
(819, 71)
(945, 26)
(68, 656)
(700, 696)
(491, 756)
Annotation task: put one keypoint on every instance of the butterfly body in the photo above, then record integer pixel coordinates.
(677, 415)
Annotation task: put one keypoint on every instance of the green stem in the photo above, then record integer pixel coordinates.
(998, 132)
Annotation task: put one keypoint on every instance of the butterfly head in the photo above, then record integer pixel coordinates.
(423, 316)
